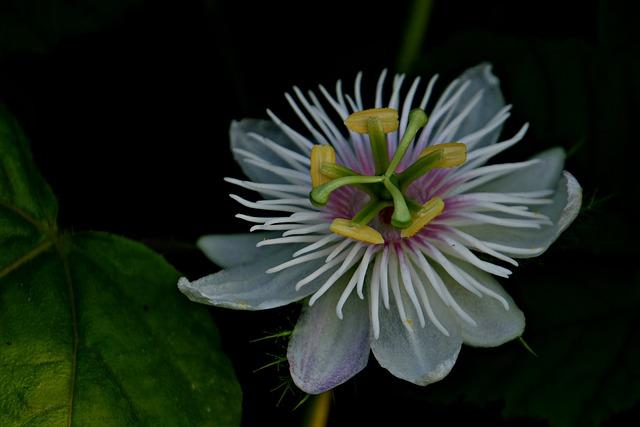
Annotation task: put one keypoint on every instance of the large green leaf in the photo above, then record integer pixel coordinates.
(92, 328)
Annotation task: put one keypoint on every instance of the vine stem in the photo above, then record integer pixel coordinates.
(417, 21)
(319, 411)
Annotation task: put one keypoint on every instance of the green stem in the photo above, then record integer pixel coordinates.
(333, 171)
(320, 195)
(416, 26)
(418, 169)
(401, 217)
(318, 415)
(413, 205)
(417, 119)
(369, 211)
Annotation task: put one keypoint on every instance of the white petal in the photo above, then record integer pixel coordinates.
(481, 79)
(416, 354)
(241, 138)
(541, 175)
(325, 351)
(564, 209)
(229, 250)
(495, 325)
(248, 287)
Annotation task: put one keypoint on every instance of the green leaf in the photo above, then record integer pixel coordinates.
(93, 330)
(38, 25)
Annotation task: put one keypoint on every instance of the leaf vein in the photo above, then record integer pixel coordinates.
(34, 252)
(74, 323)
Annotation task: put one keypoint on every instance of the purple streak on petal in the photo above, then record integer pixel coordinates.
(325, 351)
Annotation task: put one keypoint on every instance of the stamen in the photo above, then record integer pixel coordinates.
(426, 214)
(363, 233)
(453, 154)
(320, 154)
(359, 121)
(447, 155)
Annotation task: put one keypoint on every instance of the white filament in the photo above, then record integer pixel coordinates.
(417, 271)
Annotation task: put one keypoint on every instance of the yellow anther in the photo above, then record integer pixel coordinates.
(453, 154)
(359, 121)
(427, 213)
(320, 154)
(364, 233)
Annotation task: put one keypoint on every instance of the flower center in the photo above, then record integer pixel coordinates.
(387, 189)
(385, 215)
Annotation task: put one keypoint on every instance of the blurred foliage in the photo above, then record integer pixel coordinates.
(416, 26)
(28, 26)
(574, 95)
(92, 328)
(581, 298)
(585, 336)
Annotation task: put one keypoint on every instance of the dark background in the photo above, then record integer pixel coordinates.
(128, 103)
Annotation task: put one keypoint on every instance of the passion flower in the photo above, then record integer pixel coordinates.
(392, 224)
